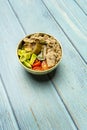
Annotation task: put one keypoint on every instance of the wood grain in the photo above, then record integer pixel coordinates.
(35, 103)
(75, 14)
(7, 120)
(83, 5)
(71, 76)
(70, 25)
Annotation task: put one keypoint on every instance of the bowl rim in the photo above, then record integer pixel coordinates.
(39, 71)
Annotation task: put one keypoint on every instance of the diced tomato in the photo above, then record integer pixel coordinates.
(40, 65)
(44, 65)
(37, 68)
(36, 63)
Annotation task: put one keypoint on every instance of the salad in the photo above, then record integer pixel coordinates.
(39, 51)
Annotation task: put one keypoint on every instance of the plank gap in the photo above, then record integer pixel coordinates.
(10, 102)
(17, 17)
(35, 118)
(80, 7)
(65, 34)
(56, 23)
(63, 103)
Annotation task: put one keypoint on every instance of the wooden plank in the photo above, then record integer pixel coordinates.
(71, 76)
(70, 80)
(7, 121)
(83, 5)
(34, 100)
(75, 33)
(75, 14)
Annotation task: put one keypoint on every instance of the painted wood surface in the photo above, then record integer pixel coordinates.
(54, 101)
(70, 25)
(82, 5)
(7, 120)
(35, 102)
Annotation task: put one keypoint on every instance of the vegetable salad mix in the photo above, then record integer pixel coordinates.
(39, 51)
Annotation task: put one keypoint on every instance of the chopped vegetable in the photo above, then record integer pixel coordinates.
(33, 58)
(44, 65)
(27, 64)
(24, 55)
(37, 68)
(37, 48)
(36, 63)
(20, 52)
(22, 58)
(40, 56)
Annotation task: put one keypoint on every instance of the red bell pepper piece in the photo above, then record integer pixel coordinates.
(36, 63)
(37, 68)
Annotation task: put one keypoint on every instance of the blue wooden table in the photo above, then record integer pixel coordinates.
(57, 101)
